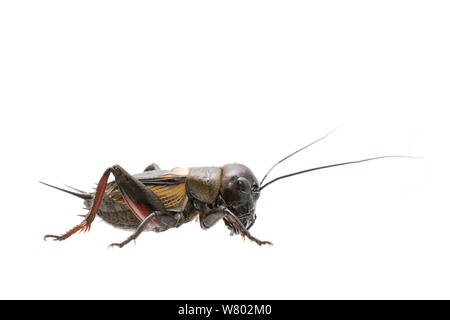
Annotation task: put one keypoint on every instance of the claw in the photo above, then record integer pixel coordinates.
(115, 245)
(84, 226)
(253, 239)
(56, 238)
(243, 231)
(258, 242)
(265, 242)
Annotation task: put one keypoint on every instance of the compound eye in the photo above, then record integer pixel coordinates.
(243, 184)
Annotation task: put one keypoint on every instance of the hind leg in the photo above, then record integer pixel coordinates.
(141, 200)
(85, 225)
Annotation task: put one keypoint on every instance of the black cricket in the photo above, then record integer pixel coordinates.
(157, 200)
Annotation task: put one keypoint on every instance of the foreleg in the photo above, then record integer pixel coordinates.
(209, 217)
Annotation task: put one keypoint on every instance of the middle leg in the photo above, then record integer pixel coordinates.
(162, 220)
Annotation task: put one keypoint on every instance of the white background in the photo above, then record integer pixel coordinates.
(86, 84)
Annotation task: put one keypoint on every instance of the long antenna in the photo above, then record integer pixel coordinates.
(302, 148)
(333, 165)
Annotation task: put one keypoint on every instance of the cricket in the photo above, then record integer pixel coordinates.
(158, 200)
